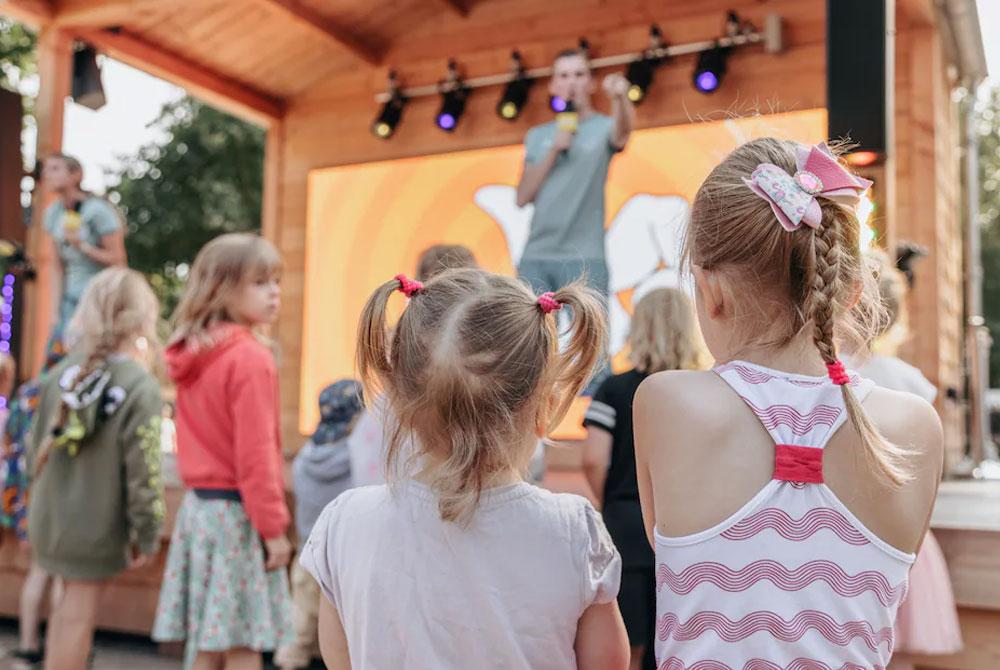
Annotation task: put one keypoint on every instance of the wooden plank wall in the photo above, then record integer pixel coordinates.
(928, 202)
(329, 124)
(11, 169)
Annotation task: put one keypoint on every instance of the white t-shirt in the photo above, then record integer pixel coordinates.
(897, 375)
(506, 591)
(367, 445)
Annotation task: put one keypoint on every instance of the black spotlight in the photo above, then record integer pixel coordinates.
(515, 94)
(640, 72)
(453, 97)
(452, 108)
(87, 88)
(711, 69)
(640, 76)
(385, 123)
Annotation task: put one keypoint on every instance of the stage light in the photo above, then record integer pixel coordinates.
(515, 94)
(385, 123)
(711, 69)
(87, 89)
(453, 96)
(452, 108)
(640, 76)
(640, 72)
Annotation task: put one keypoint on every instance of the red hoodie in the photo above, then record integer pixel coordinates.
(227, 424)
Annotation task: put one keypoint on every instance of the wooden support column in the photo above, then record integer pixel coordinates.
(274, 149)
(55, 77)
(927, 208)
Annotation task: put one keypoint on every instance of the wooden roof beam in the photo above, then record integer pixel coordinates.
(316, 22)
(35, 13)
(217, 89)
(104, 13)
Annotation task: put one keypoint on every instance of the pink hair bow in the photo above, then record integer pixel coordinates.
(793, 197)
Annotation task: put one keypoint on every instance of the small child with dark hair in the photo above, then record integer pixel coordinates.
(321, 472)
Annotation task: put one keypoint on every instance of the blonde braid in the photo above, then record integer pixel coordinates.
(884, 458)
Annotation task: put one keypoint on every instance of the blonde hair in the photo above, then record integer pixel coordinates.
(221, 268)
(664, 333)
(116, 308)
(792, 280)
(473, 366)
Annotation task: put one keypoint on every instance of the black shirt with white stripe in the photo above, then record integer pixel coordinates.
(611, 410)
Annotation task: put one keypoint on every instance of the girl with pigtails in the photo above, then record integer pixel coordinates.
(784, 495)
(458, 562)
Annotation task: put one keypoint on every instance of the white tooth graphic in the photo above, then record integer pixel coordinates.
(500, 202)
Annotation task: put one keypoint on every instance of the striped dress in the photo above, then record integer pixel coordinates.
(793, 580)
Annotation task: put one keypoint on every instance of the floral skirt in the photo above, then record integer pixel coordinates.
(216, 594)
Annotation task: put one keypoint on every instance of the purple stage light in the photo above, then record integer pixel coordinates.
(446, 121)
(707, 82)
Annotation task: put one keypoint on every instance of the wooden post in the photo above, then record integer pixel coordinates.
(55, 73)
(274, 148)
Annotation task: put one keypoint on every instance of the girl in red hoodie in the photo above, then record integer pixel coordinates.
(225, 590)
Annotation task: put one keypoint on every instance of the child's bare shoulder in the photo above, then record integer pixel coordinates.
(909, 421)
(691, 394)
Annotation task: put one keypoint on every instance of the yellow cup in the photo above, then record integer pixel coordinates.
(72, 222)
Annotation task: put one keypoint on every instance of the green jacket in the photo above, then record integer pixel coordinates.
(100, 488)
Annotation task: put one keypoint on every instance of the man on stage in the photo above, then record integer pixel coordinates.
(564, 175)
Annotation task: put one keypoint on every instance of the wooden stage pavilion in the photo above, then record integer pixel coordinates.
(309, 71)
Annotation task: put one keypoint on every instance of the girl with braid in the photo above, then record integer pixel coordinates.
(96, 498)
(785, 496)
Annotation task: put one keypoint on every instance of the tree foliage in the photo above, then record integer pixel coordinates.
(988, 130)
(17, 54)
(204, 180)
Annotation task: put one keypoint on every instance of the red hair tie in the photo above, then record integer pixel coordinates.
(837, 373)
(408, 287)
(547, 301)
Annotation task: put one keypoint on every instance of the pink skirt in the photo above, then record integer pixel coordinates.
(927, 622)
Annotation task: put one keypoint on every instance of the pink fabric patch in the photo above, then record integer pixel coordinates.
(798, 464)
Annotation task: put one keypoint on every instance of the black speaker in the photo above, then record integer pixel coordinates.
(859, 44)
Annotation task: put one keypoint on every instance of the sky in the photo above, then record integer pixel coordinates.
(135, 99)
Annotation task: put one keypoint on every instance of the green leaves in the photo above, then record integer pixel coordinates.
(17, 54)
(988, 129)
(204, 180)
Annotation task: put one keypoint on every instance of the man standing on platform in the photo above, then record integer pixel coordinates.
(565, 171)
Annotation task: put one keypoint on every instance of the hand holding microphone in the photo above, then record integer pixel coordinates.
(567, 122)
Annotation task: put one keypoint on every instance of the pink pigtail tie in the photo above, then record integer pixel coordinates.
(408, 287)
(548, 303)
(838, 374)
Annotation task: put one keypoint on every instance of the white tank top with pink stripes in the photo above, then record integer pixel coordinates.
(793, 580)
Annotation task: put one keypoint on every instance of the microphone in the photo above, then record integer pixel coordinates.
(568, 119)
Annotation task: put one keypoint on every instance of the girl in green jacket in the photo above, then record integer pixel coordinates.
(97, 500)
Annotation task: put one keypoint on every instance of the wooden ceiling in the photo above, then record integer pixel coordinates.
(261, 54)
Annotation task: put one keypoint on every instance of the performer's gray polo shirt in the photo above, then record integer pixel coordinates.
(569, 209)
